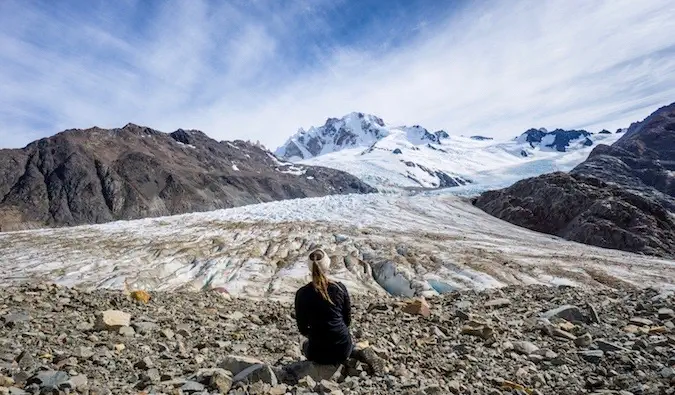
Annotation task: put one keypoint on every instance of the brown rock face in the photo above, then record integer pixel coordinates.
(621, 197)
(98, 175)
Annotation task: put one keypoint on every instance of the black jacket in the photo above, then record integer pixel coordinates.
(325, 325)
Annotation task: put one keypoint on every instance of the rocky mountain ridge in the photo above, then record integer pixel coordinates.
(98, 175)
(622, 196)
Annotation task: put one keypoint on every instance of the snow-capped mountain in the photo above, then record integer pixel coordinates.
(394, 157)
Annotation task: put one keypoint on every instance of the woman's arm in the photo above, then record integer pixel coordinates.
(301, 315)
(346, 307)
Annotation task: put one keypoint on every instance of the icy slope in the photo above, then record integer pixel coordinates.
(407, 245)
(389, 157)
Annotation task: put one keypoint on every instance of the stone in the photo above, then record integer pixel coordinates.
(112, 320)
(524, 347)
(593, 314)
(593, 356)
(119, 347)
(248, 369)
(12, 319)
(168, 333)
(145, 328)
(584, 340)
(297, 370)
(192, 386)
(127, 331)
(307, 382)
(498, 303)
(557, 332)
(221, 380)
(418, 307)
(329, 387)
(639, 321)
(50, 380)
(570, 313)
(79, 382)
(666, 314)
(140, 296)
(84, 352)
(144, 364)
(609, 347)
(454, 387)
(476, 329)
(667, 372)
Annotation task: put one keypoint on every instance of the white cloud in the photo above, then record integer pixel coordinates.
(494, 68)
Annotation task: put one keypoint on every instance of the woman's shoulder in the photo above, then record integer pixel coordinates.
(338, 285)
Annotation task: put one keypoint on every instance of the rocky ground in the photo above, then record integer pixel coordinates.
(527, 340)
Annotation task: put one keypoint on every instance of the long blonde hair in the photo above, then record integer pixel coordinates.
(319, 279)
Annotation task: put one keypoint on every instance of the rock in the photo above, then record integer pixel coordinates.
(236, 315)
(192, 386)
(593, 356)
(584, 340)
(524, 347)
(454, 387)
(666, 314)
(49, 380)
(127, 331)
(168, 333)
(140, 296)
(307, 382)
(6, 381)
(329, 387)
(479, 330)
(248, 369)
(145, 364)
(593, 316)
(119, 347)
(556, 332)
(26, 362)
(84, 352)
(296, 371)
(609, 347)
(112, 320)
(567, 312)
(498, 303)
(145, 328)
(79, 382)
(639, 321)
(13, 319)
(418, 307)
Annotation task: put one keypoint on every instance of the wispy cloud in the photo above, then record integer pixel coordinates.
(259, 70)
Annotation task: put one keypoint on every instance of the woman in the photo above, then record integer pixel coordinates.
(323, 314)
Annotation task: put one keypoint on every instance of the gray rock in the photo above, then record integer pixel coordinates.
(609, 347)
(145, 328)
(584, 340)
(498, 303)
(593, 356)
(666, 314)
(524, 347)
(567, 312)
(192, 386)
(79, 382)
(50, 380)
(127, 331)
(12, 319)
(641, 321)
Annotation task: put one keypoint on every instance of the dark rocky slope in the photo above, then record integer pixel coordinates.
(621, 197)
(98, 175)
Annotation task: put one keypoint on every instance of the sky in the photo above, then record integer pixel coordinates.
(261, 69)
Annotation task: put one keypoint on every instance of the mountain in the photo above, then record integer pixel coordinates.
(395, 157)
(98, 175)
(622, 196)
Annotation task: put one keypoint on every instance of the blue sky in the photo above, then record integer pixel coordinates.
(261, 69)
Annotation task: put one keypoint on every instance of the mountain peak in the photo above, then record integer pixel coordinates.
(355, 129)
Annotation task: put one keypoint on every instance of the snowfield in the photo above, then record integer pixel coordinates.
(404, 244)
(392, 158)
